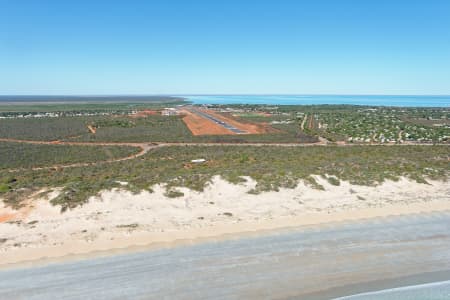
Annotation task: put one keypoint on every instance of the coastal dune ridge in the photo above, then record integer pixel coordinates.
(118, 219)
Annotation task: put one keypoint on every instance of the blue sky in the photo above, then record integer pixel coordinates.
(217, 47)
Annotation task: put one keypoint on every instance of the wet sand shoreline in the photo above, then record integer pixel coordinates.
(42, 257)
(32, 257)
(312, 262)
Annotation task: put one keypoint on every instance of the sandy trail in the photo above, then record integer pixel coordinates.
(302, 126)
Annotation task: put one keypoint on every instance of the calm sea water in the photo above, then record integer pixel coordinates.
(375, 100)
(431, 291)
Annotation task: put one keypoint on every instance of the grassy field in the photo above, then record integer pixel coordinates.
(19, 155)
(272, 167)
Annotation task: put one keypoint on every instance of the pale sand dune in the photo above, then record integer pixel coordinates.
(118, 219)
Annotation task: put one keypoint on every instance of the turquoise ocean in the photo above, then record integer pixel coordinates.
(372, 100)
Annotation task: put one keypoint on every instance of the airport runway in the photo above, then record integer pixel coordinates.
(288, 264)
(215, 120)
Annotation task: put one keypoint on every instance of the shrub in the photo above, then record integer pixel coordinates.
(333, 180)
(174, 194)
(4, 188)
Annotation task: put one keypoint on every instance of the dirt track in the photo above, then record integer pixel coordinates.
(146, 147)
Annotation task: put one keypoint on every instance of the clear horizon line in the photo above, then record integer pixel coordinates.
(213, 94)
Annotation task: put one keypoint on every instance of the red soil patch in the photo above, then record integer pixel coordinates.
(17, 215)
(6, 217)
(8, 214)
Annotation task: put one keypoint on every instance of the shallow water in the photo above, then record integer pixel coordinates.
(430, 291)
(375, 100)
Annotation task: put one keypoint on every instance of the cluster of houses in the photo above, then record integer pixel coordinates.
(170, 111)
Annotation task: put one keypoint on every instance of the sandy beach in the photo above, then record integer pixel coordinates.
(118, 219)
(311, 262)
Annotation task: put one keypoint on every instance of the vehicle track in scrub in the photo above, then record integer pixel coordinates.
(146, 147)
